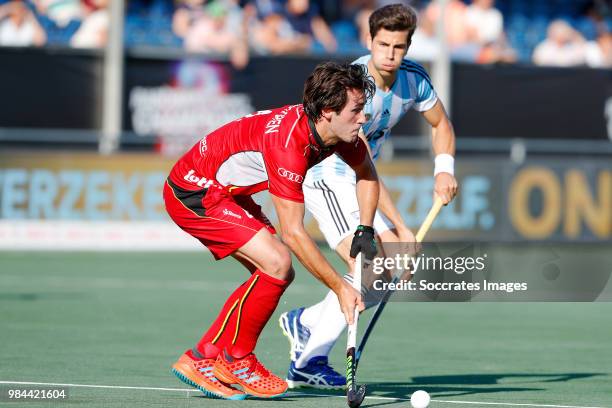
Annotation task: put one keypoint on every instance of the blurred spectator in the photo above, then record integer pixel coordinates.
(61, 12)
(358, 11)
(461, 38)
(457, 31)
(292, 28)
(474, 33)
(596, 11)
(216, 26)
(486, 30)
(598, 54)
(19, 27)
(186, 15)
(93, 31)
(486, 23)
(562, 47)
(498, 51)
(425, 45)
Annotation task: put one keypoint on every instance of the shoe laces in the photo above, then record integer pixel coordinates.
(257, 366)
(263, 370)
(323, 365)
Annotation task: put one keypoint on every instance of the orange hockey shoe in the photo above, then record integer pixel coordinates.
(250, 374)
(199, 374)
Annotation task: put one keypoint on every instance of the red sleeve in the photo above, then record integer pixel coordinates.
(286, 172)
(353, 154)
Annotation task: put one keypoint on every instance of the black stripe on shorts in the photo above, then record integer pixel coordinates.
(190, 199)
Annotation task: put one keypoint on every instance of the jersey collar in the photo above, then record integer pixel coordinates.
(316, 143)
(315, 134)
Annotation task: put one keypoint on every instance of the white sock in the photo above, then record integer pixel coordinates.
(311, 315)
(323, 332)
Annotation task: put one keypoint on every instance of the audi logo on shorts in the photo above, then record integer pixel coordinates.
(298, 178)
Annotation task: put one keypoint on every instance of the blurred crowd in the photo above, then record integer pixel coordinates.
(34, 23)
(476, 30)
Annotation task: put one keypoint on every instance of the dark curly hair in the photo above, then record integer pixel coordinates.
(326, 87)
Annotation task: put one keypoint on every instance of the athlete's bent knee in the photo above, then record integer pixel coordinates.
(278, 264)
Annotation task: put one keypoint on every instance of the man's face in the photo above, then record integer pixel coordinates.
(345, 124)
(388, 48)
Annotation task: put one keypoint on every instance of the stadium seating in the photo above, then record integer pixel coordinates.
(149, 23)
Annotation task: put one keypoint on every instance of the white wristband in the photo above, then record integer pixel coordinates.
(444, 163)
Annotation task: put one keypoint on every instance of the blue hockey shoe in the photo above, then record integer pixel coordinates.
(317, 374)
(296, 332)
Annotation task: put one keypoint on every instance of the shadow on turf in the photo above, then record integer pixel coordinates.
(488, 379)
(445, 386)
(439, 386)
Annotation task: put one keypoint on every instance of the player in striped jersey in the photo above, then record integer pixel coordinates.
(329, 187)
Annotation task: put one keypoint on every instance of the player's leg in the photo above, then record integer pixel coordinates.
(226, 349)
(323, 203)
(334, 205)
(227, 228)
(236, 331)
(331, 323)
(247, 309)
(186, 208)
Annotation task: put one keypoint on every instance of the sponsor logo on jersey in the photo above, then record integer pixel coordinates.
(199, 181)
(385, 112)
(297, 178)
(203, 146)
(231, 214)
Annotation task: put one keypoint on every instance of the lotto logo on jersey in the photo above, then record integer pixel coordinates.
(298, 178)
(199, 181)
(203, 146)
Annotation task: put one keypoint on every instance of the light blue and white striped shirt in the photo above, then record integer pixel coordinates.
(412, 89)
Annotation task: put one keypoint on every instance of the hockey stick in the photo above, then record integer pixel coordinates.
(431, 216)
(354, 394)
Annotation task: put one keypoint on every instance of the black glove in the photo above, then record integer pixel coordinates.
(363, 241)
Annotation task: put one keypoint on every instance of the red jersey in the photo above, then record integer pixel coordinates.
(271, 149)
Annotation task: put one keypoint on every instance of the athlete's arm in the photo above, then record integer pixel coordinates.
(443, 142)
(368, 190)
(387, 207)
(291, 217)
(357, 157)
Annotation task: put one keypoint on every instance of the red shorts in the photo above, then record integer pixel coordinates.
(222, 222)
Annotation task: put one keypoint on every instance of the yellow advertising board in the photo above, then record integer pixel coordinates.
(541, 200)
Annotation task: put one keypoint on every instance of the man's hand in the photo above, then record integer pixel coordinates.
(363, 241)
(445, 187)
(349, 298)
(408, 241)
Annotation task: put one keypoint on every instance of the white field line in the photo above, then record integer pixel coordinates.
(187, 390)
